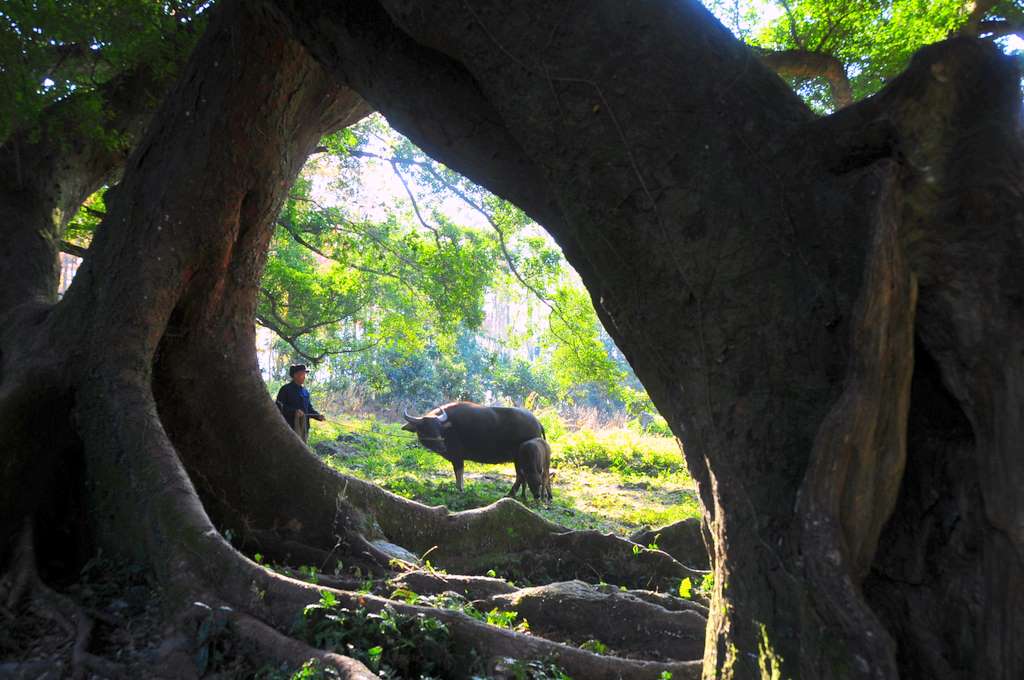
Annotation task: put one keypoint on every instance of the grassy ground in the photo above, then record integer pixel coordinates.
(615, 480)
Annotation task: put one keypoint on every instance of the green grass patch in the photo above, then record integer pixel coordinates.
(623, 450)
(615, 480)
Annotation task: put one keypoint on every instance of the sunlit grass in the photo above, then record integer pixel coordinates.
(615, 480)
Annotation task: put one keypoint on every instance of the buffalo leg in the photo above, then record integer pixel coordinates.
(518, 483)
(458, 466)
(548, 474)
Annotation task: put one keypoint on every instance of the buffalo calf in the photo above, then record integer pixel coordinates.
(533, 469)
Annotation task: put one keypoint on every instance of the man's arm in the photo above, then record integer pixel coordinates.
(313, 413)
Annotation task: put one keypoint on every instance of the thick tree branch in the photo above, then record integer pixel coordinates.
(72, 249)
(832, 26)
(807, 64)
(48, 169)
(1000, 28)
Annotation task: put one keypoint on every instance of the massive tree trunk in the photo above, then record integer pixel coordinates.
(828, 311)
(135, 404)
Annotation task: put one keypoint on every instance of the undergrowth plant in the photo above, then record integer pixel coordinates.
(453, 601)
(396, 645)
(391, 644)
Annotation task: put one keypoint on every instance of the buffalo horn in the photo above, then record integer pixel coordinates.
(411, 419)
(444, 415)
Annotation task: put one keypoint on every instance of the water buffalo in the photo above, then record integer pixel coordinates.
(533, 466)
(462, 431)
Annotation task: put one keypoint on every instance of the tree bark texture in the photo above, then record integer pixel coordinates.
(800, 296)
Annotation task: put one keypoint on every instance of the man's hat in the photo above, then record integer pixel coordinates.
(292, 370)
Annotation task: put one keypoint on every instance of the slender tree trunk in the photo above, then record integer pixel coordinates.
(769, 276)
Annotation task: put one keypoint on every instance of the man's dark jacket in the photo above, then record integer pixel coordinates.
(293, 397)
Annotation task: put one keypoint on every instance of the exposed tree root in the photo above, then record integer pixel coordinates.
(276, 600)
(271, 646)
(637, 621)
(683, 540)
(470, 587)
(475, 540)
(195, 559)
(669, 602)
(356, 550)
(81, 660)
(28, 588)
(484, 587)
(509, 538)
(578, 611)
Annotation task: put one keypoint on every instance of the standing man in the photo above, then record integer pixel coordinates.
(293, 400)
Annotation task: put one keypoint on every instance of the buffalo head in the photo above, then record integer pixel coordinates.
(429, 429)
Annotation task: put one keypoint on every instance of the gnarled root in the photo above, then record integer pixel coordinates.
(469, 587)
(271, 646)
(632, 621)
(579, 611)
(26, 587)
(193, 561)
(354, 548)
